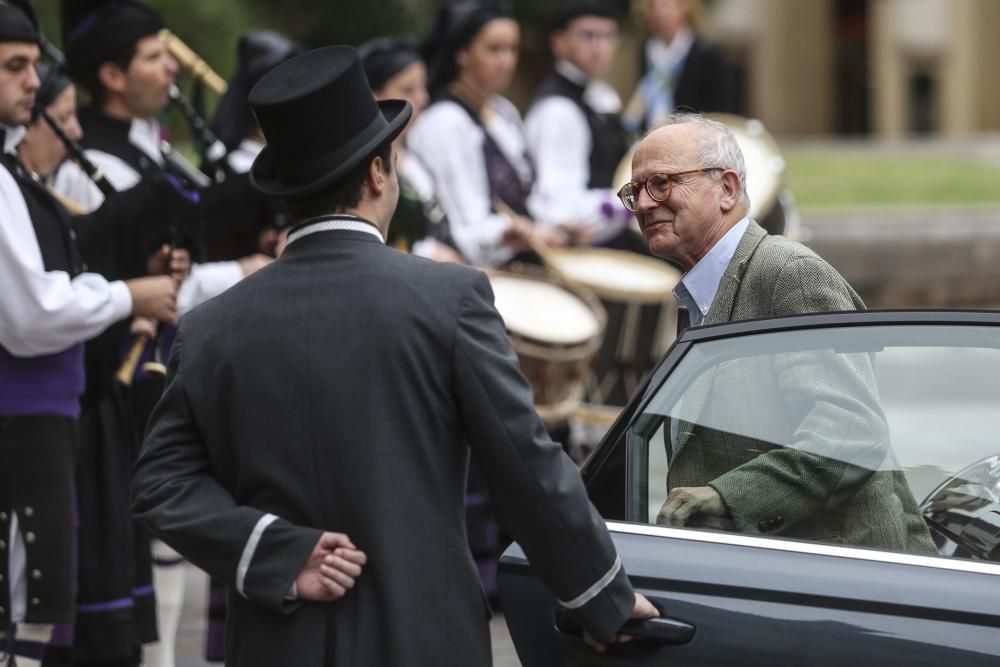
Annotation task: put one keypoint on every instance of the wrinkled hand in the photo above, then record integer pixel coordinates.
(642, 610)
(332, 567)
(685, 501)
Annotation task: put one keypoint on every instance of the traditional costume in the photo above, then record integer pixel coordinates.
(479, 170)
(48, 307)
(577, 140)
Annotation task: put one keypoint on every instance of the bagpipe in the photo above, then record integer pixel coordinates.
(190, 181)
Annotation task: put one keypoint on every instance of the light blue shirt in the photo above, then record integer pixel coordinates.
(697, 288)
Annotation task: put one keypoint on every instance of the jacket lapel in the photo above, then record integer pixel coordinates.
(721, 311)
(729, 286)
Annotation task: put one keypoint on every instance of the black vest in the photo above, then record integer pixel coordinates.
(608, 142)
(169, 207)
(111, 135)
(53, 228)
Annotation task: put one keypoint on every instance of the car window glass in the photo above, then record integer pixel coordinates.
(879, 436)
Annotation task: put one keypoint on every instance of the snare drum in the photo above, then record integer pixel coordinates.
(636, 292)
(555, 331)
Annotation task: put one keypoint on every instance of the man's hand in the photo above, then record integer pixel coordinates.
(642, 610)
(143, 326)
(154, 297)
(332, 567)
(519, 232)
(553, 237)
(685, 501)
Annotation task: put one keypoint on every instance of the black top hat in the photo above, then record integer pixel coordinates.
(321, 120)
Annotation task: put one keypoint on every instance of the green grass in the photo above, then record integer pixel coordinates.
(847, 178)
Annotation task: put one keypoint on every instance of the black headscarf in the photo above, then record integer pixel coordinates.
(18, 22)
(453, 29)
(385, 57)
(98, 31)
(257, 53)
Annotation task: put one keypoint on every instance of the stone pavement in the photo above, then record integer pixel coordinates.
(191, 634)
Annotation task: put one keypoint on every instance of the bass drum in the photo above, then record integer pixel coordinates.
(636, 293)
(555, 329)
(771, 203)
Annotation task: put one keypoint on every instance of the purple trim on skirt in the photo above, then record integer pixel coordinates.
(142, 590)
(111, 605)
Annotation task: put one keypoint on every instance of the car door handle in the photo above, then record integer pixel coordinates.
(664, 630)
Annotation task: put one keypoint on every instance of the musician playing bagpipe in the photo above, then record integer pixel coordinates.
(114, 50)
(49, 306)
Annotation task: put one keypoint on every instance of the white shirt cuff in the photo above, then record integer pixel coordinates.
(121, 300)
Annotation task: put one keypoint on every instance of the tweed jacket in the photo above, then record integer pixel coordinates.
(796, 443)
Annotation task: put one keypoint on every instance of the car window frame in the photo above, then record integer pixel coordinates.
(620, 434)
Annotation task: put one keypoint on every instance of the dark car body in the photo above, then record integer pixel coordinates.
(730, 598)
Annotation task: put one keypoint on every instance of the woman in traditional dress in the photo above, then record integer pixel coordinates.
(471, 138)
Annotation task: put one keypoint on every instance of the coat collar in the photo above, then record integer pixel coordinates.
(722, 305)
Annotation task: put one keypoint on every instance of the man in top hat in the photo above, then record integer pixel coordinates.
(383, 367)
(574, 129)
(49, 306)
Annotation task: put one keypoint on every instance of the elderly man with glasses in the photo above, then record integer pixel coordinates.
(688, 192)
(835, 478)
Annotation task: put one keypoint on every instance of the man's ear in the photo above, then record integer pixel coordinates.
(112, 77)
(730, 190)
(376, 175)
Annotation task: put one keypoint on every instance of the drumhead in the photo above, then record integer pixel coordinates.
(616, 274)
(543, 311)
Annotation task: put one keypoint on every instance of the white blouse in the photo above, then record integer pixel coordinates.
(450, 144)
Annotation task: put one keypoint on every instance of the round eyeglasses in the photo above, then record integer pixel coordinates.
(658, 187)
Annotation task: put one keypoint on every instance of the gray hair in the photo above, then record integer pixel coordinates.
(718, 146)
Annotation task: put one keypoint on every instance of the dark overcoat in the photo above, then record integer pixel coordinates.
(340, 389)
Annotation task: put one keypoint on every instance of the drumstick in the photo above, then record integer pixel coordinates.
(544, 251)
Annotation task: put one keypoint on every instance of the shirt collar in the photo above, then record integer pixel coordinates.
(12, 137)
(572, 72)
(698, 287)
(145, 135)
(327, 223)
